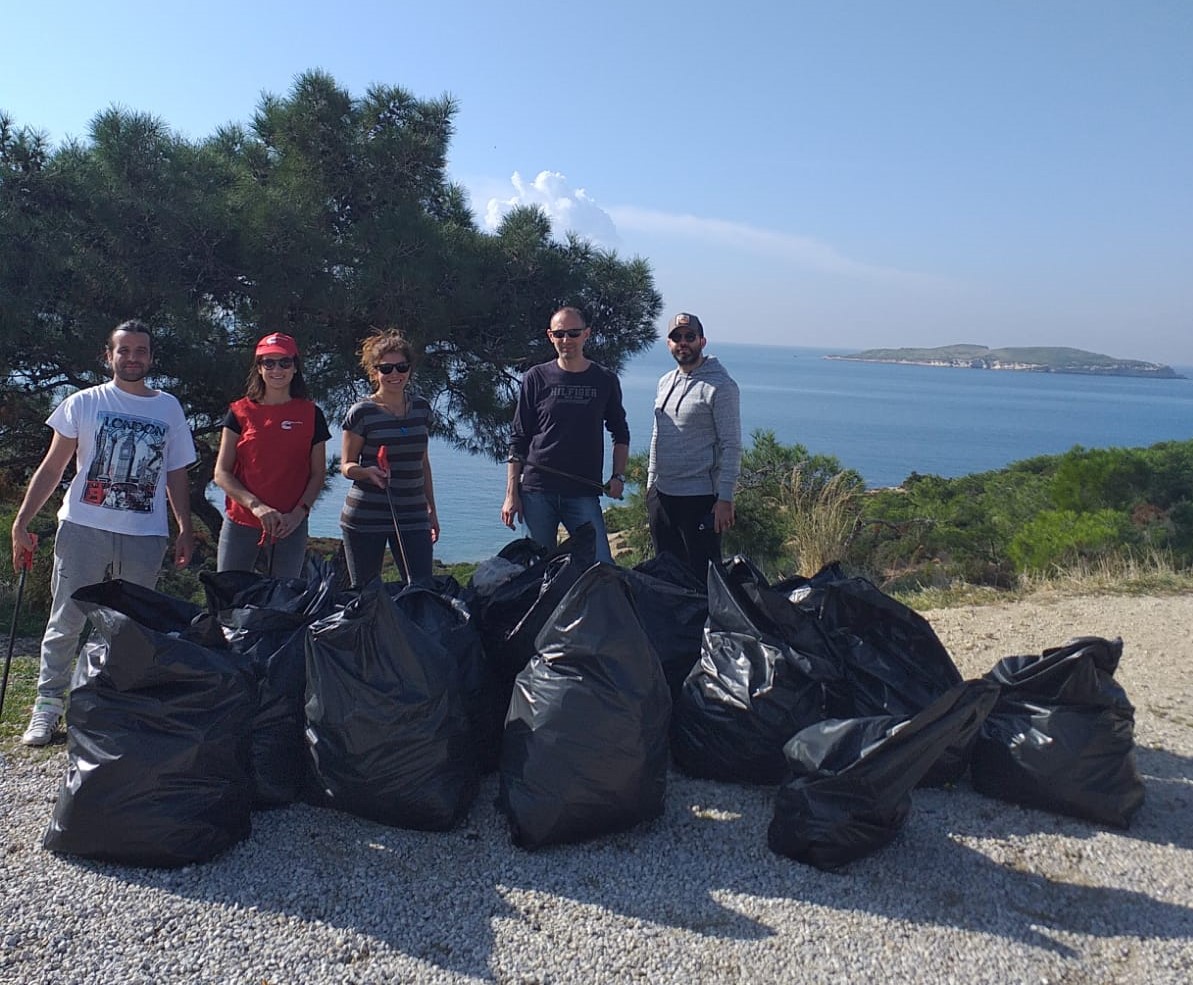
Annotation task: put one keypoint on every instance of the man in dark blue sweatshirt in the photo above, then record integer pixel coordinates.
(695, 451)
(557, 453)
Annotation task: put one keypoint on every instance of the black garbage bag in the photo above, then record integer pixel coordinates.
(772, 611)
(488, 576)
(514, 558)
(387, 728)
(447, 619)
(311, 595)
(274, 644)
(1062, 735)
(157, 735)
(446, 586)
(759, 681)
(557, 576)
(672, 612)
(264, 620)
(892, 660)
(849, 788)
(667, 567)
(585, 748)
(525, 551)
(511, 616)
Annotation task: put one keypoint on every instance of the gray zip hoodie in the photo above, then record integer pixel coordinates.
(695, 447)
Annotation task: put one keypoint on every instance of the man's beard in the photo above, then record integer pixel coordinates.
(132, 375)
(687, 358)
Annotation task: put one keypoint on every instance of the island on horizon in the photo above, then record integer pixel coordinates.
(1024, 359)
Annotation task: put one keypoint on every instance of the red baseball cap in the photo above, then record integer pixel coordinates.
(277, 344)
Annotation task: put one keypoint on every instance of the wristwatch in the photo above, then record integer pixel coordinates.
(618, 476)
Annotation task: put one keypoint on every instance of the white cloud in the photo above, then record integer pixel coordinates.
(800, 251)
(574, 210)
(569, 210)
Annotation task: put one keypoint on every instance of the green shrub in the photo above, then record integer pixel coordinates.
(1099, 478)
(762, 531)
(628, 517)
(1058, 538)
(35, 603)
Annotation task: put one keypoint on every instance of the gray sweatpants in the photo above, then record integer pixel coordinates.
(85, 556)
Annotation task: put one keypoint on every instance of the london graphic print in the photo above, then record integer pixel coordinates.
(127, 463)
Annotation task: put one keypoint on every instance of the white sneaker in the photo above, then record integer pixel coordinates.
(46, 712)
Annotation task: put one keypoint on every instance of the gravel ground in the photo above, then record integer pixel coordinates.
(973, 890)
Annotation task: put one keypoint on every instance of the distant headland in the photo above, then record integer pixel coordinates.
(1023, 359)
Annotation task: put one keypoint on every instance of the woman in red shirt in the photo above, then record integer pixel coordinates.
(271, 464)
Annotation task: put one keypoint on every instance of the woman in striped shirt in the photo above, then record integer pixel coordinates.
(394, 506)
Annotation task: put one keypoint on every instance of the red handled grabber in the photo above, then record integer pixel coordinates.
(272, 545)
(25, 565)
(383, 463)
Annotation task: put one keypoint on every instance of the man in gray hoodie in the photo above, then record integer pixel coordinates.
(695, 451)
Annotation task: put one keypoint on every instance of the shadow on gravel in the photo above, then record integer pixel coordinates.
(468, 902)
(1162, 820)
(1167, 808)
(443, 898)
(927, 876)
(1160, 764)
(962, 887)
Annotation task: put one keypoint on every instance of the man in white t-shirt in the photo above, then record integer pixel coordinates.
(131, 446)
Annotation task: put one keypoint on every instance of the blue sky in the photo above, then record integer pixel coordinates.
(845, 174)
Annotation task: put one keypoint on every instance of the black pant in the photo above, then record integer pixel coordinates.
(364, 554)
(683, 526)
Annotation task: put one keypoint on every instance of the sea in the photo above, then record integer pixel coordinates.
(886, 421)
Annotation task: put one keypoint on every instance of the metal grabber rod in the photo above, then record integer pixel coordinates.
(383, 462)
(25, 565)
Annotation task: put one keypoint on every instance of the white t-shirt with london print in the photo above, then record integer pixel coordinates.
(127, 444)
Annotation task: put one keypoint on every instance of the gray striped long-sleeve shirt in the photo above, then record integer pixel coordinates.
(367, 508)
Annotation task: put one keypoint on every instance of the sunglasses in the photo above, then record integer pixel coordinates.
(571, 333)
(386, 368)
(683, 336)
(285, 363)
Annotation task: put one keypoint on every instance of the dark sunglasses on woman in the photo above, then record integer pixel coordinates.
(386, 368)
(284, 363)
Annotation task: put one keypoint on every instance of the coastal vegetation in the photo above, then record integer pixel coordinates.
(1044, 518)
(1030, 359)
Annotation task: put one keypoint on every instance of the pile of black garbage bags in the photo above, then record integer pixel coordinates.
(580, 683)
(847, 700)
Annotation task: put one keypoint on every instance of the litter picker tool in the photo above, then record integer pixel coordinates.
(25, 564)
(273, 543)
(383, 462)
(603, 487)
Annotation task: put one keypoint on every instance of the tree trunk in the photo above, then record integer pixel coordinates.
(201, 508)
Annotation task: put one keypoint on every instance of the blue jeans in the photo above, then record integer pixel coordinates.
(543, 512)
